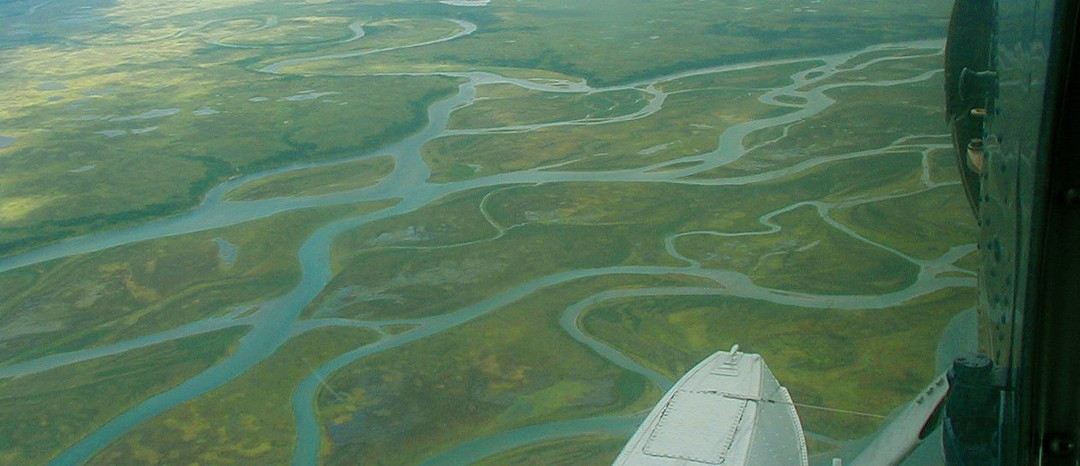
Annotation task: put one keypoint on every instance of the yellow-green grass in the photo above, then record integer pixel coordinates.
(73, 180)
(453, 220)
(382, 63)
(862, 118)
(628, 222)
(379, 34)
(511, 105)
(42, 414)
(513, 368)
(887, 53)
(972, 261)
(924, 225)
(222, 29)
(754, 139)
(162, 172)
(123, 13)
(124, 53)
(581, 450)
(653, 38)
(405, 266)
(689, 124)
(295, 31)
(138, 289)
(317, 180)
(943, 165)
(648, 39)
(142, 176)
(806, 255)
(402, 283)
(126, 36)
(890, 173)
(568, 38)
(246, 421)
(869, 361)
(751, 79)
(907, 67)
(97, 87)
(394, 329)
(459, 221)
(680, 208)
(817, 446)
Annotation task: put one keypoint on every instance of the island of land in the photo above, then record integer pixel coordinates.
(463, 232)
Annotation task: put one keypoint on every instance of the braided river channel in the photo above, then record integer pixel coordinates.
(278, 319)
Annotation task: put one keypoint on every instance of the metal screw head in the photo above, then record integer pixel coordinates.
(1060, 445)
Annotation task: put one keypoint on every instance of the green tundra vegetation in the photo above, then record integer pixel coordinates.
(590, 169)
(247, 421)
(688, 124)
(820, 355)
(156, 96)
(589, 450)
(122, 293)
(490, 376)
(908, 224)
(500, 105)
(44, 413)
(317, 180)
(97, 169)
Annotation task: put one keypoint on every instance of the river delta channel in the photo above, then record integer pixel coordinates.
(275, 321)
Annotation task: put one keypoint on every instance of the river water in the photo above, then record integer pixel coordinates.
(276, 320)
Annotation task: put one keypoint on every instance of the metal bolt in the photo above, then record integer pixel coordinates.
(1061, 445)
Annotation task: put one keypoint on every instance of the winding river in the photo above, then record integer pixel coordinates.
(277, 319)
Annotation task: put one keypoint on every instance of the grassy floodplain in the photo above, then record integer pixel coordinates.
(508, 105)
(290, 32)
(472, 244)
(490, 376)
(317, 180)
(69, 72)
(606, 42)
(47, 412)
(689, 123)
(588, 451)
(99, 146)
(863, 117)
(247, 421)
(820, 355)
(118, 159)
(115, 295)
(432, 256)
(940, 211)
